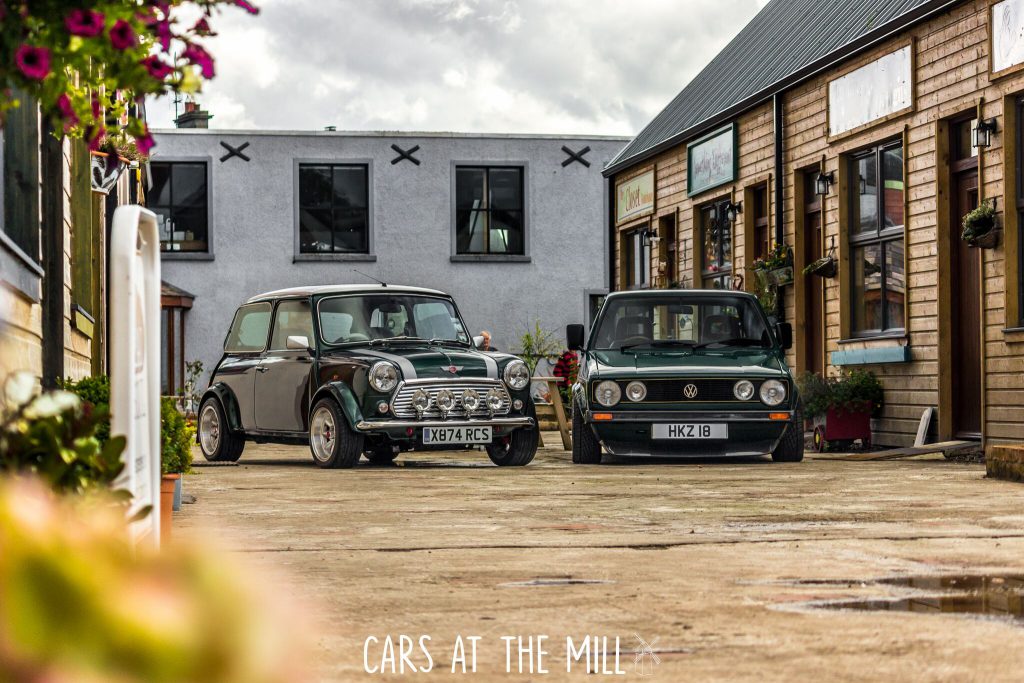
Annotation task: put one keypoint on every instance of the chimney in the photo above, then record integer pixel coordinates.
(194, 117)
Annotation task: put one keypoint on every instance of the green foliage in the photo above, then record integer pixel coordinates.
(766, 291)
(851, 391)
(780, 256)
(96, 391)
(86, 63)
(175, 439)
(979, 222)
(537, 344)
(54, 435)
(80, 602)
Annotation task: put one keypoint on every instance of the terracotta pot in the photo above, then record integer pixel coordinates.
(167, 484)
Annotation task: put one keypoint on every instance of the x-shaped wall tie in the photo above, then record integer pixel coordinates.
(405, 154)
(575, 156)
(234, 151)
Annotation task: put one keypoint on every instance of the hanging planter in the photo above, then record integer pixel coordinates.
(826, 266)
(979, 227)
(781, 276)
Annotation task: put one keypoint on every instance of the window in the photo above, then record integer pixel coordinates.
(20, 178)
(716, 246)
(293, 319)
(489, 215)
(876, 241)
(636, 260)
(248, 333)
(762, 240)
(334, 209)
(179, 199)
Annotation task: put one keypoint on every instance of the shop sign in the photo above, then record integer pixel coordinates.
(873, 91)
(711, 161)
(135, 361)
(1007, 34)
(634, 197)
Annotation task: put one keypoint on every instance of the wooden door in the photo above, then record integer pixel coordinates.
(966, 311)
(814, 315)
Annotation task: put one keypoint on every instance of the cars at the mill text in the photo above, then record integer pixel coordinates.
(683, 373)
(363, 370)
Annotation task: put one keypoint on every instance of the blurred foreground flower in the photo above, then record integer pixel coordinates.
(79, 603)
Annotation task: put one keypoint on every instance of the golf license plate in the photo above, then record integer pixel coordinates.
(691, 431)
(456, 435)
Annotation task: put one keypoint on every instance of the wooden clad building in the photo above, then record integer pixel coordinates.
(854, 131)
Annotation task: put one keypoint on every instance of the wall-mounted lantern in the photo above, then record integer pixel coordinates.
(824, 182)
(647, 236)
(732, 210)
(981, 133)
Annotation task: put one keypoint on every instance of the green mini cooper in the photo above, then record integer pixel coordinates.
(684, 373)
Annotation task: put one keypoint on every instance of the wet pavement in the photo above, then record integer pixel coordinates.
(826, 569)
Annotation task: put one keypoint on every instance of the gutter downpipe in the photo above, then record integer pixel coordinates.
(780, 231)
(613, 242)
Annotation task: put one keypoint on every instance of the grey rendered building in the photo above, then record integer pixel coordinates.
(513, 226)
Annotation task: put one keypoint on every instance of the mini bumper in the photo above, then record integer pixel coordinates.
(500, 422)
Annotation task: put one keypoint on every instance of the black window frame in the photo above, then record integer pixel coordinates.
(487, 169)
(366, 253)
(172, 208)
(631, 241)
(881, 236)
(717, 211)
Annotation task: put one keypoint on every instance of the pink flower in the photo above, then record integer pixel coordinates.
(33, 61)
(145, 143)
(162, 29)
(84, 22)
(248, 6)
(95, 134)
(202, 28)
(67, 112)
(157, 68)
(122, 35)
(195, 54)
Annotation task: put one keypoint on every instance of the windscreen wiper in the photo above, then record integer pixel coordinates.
(401, 338)
(735, 341)
(660, 343)
(438, 341)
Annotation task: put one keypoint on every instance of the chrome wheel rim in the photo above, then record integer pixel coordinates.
(322, 434)
(209, 430)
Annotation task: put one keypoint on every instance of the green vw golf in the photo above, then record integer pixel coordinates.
(684, 373)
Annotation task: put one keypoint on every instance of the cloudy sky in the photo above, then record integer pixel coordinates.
(518, 66)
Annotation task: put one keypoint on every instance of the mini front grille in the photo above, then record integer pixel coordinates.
(702, 391)
(401, 404)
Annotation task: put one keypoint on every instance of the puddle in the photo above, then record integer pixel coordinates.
(561, 581)
(996, 596)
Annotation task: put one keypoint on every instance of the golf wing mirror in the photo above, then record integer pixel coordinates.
(574, 337)
(784, 333)
(298, 342)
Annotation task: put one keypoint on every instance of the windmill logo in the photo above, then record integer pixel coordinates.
(646, 658)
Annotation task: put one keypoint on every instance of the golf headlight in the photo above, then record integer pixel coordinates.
(773, 392)
(470, 400)
(383, 376)
(517, 375)
(445, 400)
(494, 400)
(608, 393)
(636, 391)
(743, 390)
(420, 400)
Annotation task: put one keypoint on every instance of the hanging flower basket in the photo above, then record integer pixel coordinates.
(990, 240)
(826, 266)
(980, 227)
(781, 276)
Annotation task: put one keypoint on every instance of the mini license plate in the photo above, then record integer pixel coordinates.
(691, 431)
(456, 435)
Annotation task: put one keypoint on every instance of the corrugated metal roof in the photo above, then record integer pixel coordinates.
(787, 41)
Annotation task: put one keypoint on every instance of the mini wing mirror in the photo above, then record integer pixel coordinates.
(478, 341)
(574, 337)
(298, 342)
(784, 333)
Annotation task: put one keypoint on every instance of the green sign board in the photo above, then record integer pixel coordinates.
(711, 160)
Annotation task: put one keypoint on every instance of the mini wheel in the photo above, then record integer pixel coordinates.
(216, 440)
(331, 441)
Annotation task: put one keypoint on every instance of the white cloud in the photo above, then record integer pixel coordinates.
(530, 66)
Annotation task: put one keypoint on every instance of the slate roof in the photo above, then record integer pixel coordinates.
(786, 42)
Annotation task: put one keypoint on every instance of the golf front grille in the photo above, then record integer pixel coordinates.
(401, 404)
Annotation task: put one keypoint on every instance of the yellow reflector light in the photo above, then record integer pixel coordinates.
(601, 417)
(778, 416)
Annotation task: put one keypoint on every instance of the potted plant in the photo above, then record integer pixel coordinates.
(841, 407)
(175, 460)
(826, 267)
(980, 226)
(777, 265)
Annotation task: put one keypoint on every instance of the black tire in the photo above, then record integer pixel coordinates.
(216, 440)
(519, 451)
(586, 449)
(381, 456)
(791, 446)
(332, 443)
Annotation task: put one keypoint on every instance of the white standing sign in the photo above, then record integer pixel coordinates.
(135, 359)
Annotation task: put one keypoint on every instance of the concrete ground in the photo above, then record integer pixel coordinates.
(713, 563)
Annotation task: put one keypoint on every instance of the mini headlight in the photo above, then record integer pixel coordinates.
(420, 400)
(470, 400)
(743, 390)
(383, 376)
(445, 400)
(773, 392)
(636, 391)
(494, 400)
(608, 393)
(517, 375)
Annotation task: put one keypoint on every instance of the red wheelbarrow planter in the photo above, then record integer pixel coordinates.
(843, 425)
